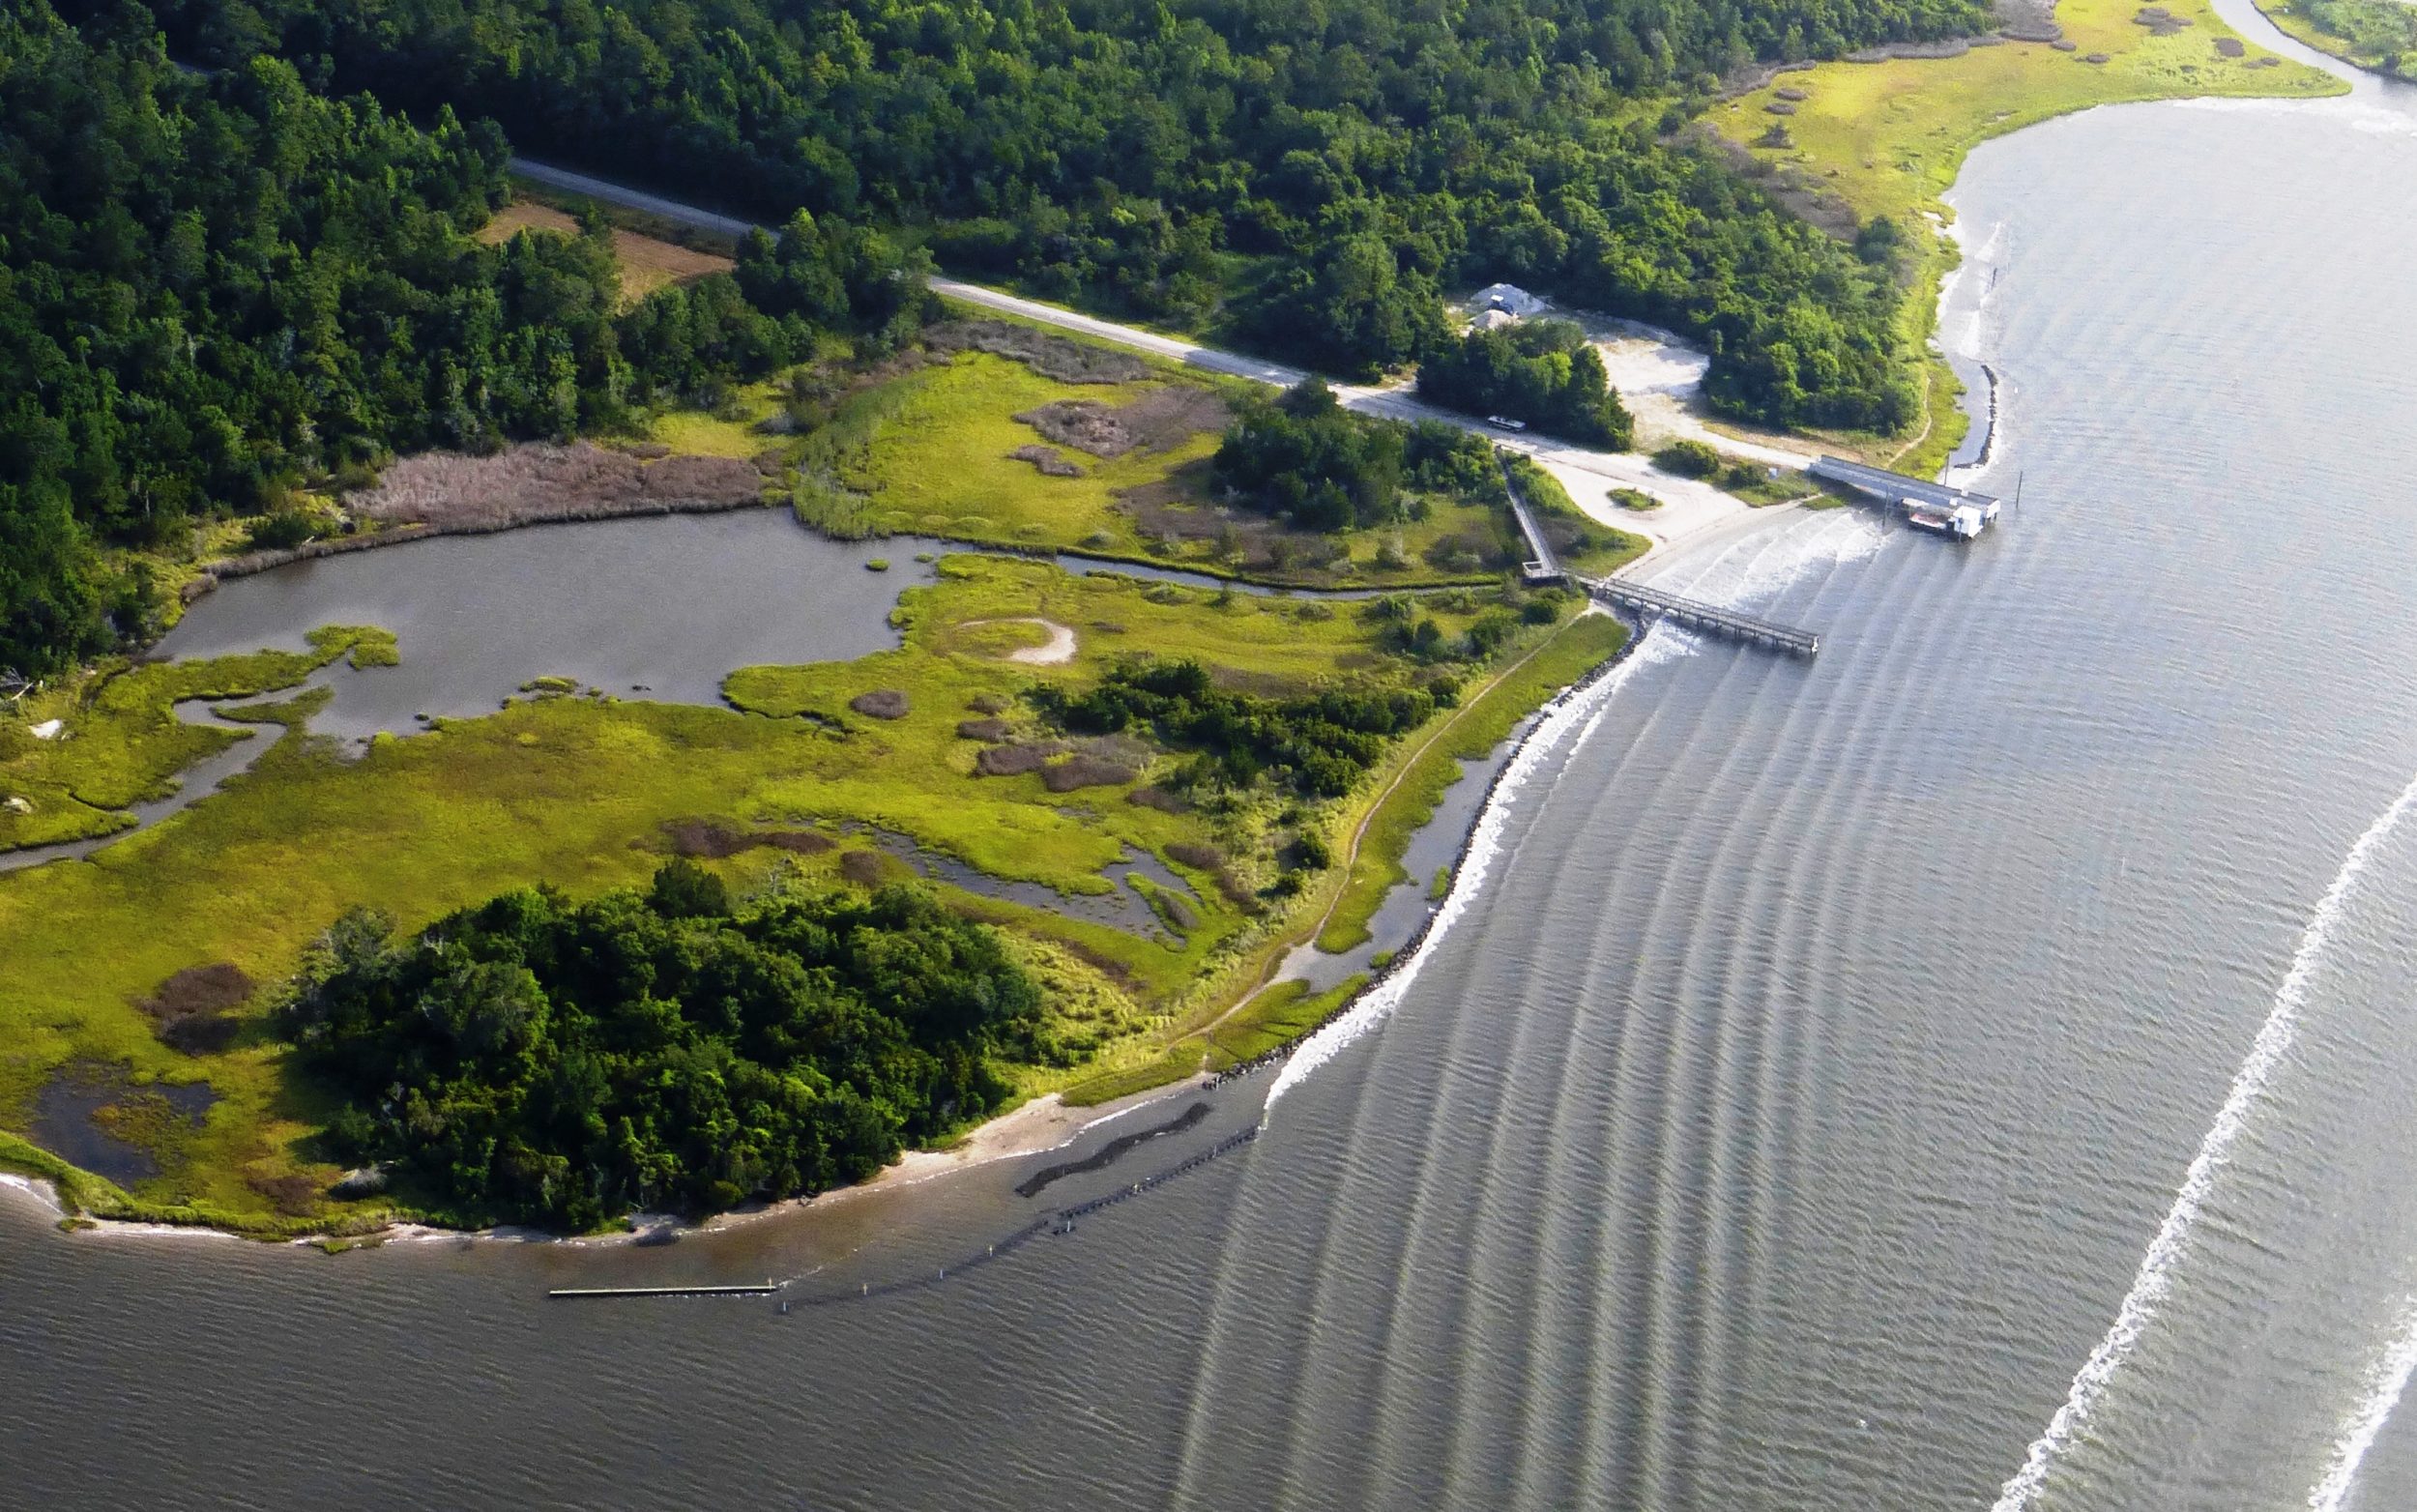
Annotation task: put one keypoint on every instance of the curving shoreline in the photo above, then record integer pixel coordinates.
(1037, 1127)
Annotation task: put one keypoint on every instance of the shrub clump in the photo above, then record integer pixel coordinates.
(712, 840)
(1688, 459)
(1014, 760)
(1317, 744)
(559, 1063)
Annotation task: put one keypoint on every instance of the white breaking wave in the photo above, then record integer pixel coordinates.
(1758, 568)
(2155, 1278)
(2385, 1382)
(1485, 844)
(1829, 538)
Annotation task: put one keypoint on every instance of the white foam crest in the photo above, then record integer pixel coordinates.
(1759, 568)
(2386, 1379)
(1485, 846)
(2359, 113)
(2166, 1252)
(1751, 568)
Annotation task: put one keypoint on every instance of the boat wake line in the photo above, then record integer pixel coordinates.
(1750, 569)
(1485, 845)
(2386, 1379)
(2166, 1252)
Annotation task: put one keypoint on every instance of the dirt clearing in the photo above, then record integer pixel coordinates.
(646, 264)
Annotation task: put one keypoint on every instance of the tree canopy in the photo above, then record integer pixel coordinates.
(1319, 745)
(214, 289)
(1302, 456)
(1311, 175)
(564, 1063)
(1540, 371)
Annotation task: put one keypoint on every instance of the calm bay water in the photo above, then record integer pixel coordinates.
(1782, 1123)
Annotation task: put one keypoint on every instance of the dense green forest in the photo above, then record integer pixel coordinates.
(1540, 371)
(1309, 175)
(564, 1063)
(215, 290)
(1301, 456)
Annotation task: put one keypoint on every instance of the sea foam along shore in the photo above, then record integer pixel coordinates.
(1826, 538)
(1564, 712)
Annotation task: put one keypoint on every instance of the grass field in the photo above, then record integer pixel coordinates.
(934, 450)
(1887, 139)
(589, 794)
(120, 742)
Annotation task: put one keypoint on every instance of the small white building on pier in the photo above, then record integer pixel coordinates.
(1940, 508)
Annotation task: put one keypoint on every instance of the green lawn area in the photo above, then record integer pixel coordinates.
(588, 794)
(1888, 139)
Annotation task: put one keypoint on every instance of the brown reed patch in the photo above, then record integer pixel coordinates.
(539, 480)
(1084, 771)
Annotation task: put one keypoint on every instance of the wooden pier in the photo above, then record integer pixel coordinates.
(1658, 605)
(577, 1293)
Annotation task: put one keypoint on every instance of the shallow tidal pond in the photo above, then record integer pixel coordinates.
(660, 607)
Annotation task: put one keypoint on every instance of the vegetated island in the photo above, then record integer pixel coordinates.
(2379, 36)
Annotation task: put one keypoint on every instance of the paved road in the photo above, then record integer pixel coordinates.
(1688, 505)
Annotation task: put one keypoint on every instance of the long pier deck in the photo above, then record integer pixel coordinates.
(1696, 616)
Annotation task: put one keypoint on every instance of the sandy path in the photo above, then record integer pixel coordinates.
(1058, 651)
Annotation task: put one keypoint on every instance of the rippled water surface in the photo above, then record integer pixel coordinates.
(1784, 1122)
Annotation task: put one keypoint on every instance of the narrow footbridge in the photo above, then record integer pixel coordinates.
(1655, 603)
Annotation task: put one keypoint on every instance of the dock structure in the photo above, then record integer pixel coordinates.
(1940, 508)
(578, 1294)
(1657, 603)
(1541, 567)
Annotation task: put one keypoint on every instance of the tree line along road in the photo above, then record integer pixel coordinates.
(1689, 505)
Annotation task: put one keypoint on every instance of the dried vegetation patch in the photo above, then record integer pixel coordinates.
(540, 480)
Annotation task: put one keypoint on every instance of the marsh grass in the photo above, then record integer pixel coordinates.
(1887, 139)
(587, 795)
(122, 743)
